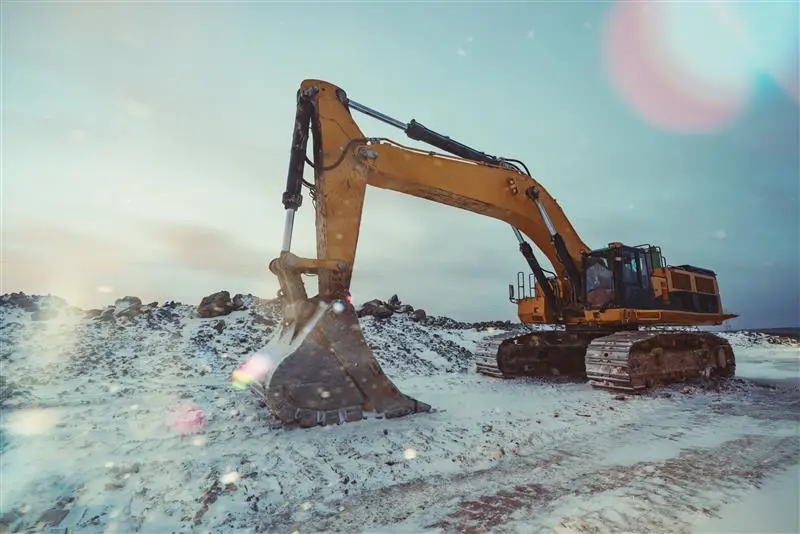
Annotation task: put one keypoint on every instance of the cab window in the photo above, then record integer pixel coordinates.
(599, 283)
(598, 275)
(630, 269)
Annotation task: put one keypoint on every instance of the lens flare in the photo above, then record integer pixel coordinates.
(694, 66)
(187, 419)
(30, 421)
(254, 369)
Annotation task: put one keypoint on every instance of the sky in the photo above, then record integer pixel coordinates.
(145, 145)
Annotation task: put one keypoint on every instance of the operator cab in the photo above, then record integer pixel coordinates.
(620, 276)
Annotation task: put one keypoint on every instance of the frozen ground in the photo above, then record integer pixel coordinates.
(87, 444)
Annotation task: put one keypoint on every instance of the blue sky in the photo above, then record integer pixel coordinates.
(145, 146)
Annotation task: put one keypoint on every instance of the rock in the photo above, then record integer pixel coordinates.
(214, 305)
(91, 314)
(396, 306)
(106, 315)
(418, 315)
(127, 307)
(219, 326)
(375, 308)
(238, 302)
(368, 306)
(382, 312)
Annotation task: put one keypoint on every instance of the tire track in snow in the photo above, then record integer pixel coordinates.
(709, 458)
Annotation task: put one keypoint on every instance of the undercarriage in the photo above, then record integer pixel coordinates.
(628, 360)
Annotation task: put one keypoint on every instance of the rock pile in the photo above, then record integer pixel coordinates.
(125, 307)
(221, 303)
(133, 341)
(383, 310)
(41, 307)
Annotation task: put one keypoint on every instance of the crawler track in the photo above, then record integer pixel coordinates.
(621, 361)
(486, 356)
(549, 353)
(639, 360)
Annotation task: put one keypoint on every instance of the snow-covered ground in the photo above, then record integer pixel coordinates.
(88, 445)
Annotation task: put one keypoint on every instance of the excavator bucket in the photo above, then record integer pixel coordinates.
(320, 371)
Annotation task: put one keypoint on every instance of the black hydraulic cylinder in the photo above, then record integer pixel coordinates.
(572, 270)
(293, 196)
(538, 273)
(418, 132)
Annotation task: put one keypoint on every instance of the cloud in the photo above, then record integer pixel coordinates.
(461, 52)
(183, 262)
(175, 261)
(64, 262)
(720, 234)
(137, 109)
(210, 250)
(469, 39)
(531, 34)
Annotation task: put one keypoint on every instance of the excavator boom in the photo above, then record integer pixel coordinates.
(323, 371)
(346, 161)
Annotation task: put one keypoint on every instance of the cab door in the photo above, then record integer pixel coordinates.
(634, 278)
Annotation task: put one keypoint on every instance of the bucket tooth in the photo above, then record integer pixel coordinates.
(324, 373)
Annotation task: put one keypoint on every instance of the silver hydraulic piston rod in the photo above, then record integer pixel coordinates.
(288, 229)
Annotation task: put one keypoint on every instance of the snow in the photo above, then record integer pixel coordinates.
(778, 494)
(756, 357)
(89, 408)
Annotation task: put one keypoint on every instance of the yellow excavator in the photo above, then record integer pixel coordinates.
(603, 303)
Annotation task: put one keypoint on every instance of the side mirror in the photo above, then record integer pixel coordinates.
(511, 293)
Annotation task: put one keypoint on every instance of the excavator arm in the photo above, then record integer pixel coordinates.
(345, 162)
